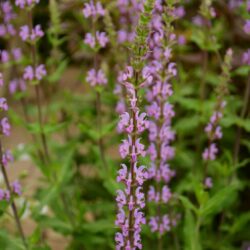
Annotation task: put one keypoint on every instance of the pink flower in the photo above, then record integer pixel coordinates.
(209, 153)
(90, 40)
(247, 26)
(96, 77)
(3, 104)
(5, 126)
(102, 38)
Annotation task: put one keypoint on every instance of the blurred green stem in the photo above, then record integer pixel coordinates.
(37, 91)
(99, 125)
(239, 129)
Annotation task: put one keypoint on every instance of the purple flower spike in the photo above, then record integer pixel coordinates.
(130, 218)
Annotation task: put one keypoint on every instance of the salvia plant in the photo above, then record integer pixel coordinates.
(124, 124)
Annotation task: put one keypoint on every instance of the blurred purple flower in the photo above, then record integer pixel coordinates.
(246, 57)
(208, 182)
(16, 188)
(31, 35)
(5, 126)
(247, 26)
(96, 77)
(25, 3)
(93, 10)
(3, 104)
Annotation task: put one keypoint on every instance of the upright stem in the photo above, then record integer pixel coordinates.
(42, 134)
(132, 164)
(99, 108)
(204, 73)
(13, 205)
(38, 99)
(99, 124)
(239, 130)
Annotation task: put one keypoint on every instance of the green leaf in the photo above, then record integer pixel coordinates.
(190, 234)
(35, 128)
(222, 199)
(55, 76)
(187, 203)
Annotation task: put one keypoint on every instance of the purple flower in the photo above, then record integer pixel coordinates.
(3, 104)
(165, 194)
(4, 56)
(153, 223)
(247, 26)
(208, 182)
(38, 74)
(16, 85)
(210, 153)
(17, 54)
(96, 77)
(24, 32)
(31, 35)
(5, 126)
(16, 187)
(7, 157)
(91, 9)
(25, 3)
(246, 57)
(90, 40)
(102, 38)
(179, 12)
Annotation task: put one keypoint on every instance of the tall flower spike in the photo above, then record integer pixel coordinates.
(213, 129)
(130, 201)
(160, 111)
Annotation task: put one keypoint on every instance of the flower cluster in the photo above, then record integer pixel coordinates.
(96, 40)
(100, 39)
(31, 35)
(161, 113)
(15, 55)
(96, 77)
(213, 129)
(26, 3)
(129, 15)
(6, 28)
(93, 10)
(131, 200)
(32, 74)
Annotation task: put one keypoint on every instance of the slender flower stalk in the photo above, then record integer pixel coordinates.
(34, 73)
(213, 129)
(95, 76)
(161, 112)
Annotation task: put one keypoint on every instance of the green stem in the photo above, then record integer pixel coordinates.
(239, 129)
